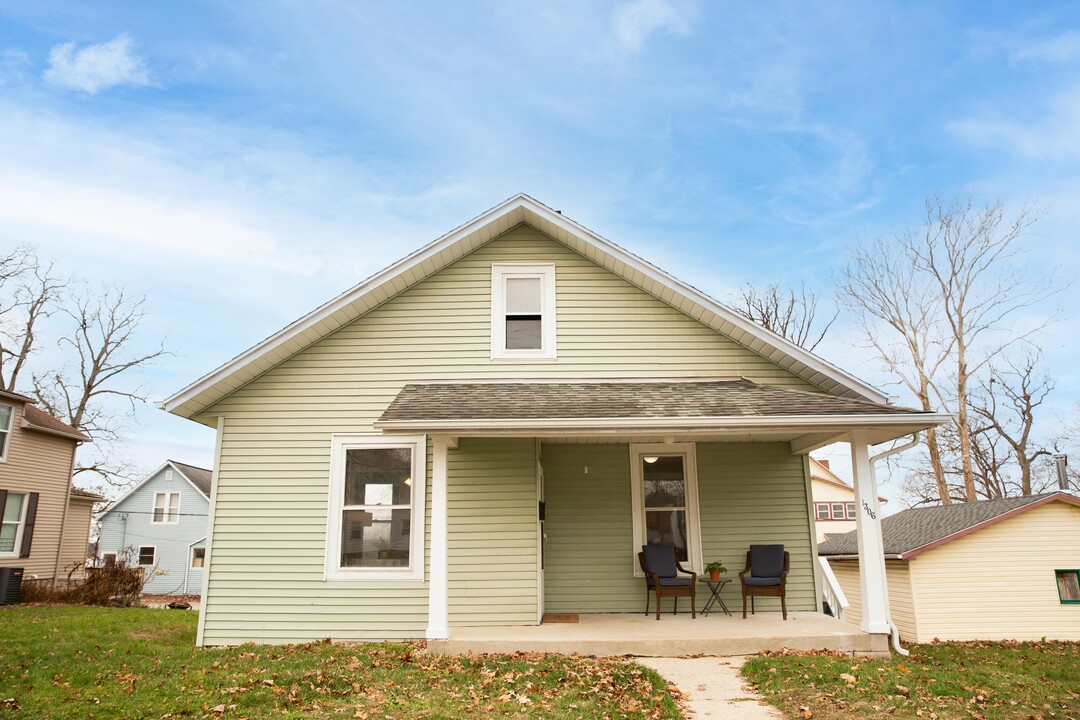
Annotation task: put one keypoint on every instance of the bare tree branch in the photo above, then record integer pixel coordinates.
(791, 316)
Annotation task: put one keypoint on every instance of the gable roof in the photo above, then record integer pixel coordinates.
(440, 253)
(912, 532)
(199, 478)
(36, 419)
(823, 473)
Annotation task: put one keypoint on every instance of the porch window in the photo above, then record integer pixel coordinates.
(665, 499)
(1068, 585)
(376, 523)
(522, 311)
(166, 508)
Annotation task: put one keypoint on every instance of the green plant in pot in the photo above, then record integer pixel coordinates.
(714, 569)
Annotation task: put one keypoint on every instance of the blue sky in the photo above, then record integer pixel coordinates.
(240, 163)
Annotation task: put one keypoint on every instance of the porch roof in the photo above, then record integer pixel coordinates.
(617, 406)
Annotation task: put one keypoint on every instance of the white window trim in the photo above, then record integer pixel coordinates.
(339, 444)
(16, 549)
(499, 274)
(138, 555)
(7, 432)
(191, 560)
(154, 505)
(637, 495)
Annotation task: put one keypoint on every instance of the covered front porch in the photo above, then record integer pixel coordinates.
(673, 635)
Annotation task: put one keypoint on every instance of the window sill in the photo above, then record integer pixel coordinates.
(411, 576)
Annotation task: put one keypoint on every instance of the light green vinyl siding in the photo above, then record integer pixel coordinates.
(748, 493)
(492, 532)
(265, 574)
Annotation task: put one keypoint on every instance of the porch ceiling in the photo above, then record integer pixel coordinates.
(727, 409)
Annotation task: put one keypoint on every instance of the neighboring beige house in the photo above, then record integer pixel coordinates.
(491, 428)
(834, 501)
(988, 570)
(46, 522)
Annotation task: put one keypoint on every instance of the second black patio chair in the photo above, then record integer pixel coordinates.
(765, 575)
(662, 568)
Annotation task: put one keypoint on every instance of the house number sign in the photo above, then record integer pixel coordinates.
(871, 513)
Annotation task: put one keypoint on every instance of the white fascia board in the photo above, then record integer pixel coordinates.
(724, 422)
(426, 253)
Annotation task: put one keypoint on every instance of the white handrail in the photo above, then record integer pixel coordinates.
(834, 594)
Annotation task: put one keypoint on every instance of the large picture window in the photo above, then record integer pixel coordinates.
(665, 501)
(522, 311)
(376, 524)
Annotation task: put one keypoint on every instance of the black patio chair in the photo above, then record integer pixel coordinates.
(662, 568)
(765, 575)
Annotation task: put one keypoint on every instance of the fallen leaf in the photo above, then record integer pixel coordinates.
(847, 677)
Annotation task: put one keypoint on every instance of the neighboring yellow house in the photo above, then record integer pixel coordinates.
(491, 428)
(1005, 569)
(834, 501)
(45, 525)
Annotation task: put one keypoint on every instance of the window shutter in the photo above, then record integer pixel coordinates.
(28, 528)
(3, 502)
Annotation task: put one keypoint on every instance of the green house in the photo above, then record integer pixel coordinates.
(490, 429)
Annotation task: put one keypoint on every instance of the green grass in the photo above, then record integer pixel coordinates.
(63, 661)
(937, 682)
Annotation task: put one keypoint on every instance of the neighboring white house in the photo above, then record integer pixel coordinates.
(834, 501)
(160, 525)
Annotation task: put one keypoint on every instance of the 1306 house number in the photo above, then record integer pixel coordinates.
(871, 513)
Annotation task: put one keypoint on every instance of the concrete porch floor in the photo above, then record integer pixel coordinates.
(672, 635)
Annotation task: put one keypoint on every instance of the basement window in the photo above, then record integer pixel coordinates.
(522, 311)
(1068, 585)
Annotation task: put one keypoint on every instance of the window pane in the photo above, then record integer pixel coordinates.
(664, 482)
(838, 511)
(7, 537)
(524, 332)
(522, 296)
(375, 538)
(822, 511)
(198, 557)
(667, 527)
(146, 556)
(5, 417)
(13, 508)
(851, 511)
(1069, 585)
(378, 476)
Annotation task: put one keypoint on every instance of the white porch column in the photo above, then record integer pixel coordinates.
(438, 586)
(868, 531)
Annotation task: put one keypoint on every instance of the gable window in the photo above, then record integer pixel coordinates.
(522, 311)
(7, 414)
(198, 557)
(665, 501)
(166, 508)
(376, 526)
(1068, 585)
(147, 555)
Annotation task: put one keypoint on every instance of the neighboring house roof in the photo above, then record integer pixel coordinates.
(822, 472)
(199, 478)
(36, 419)
(85, 494)
(914, 531)
(622, 403)
(8, 395)
(425, 262)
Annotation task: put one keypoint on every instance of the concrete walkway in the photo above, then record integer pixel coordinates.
(713, 687)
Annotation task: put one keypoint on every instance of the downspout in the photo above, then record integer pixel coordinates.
(63, 515)
(888, 610)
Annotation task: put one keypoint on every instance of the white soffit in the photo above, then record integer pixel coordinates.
(433, 257)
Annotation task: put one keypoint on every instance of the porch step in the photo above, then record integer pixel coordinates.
(603, 635)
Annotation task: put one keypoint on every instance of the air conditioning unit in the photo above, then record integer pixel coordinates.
(10, 585)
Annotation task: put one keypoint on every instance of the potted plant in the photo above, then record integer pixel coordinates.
(714, 569)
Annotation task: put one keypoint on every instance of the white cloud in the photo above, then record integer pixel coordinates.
(1055, 136)
(637, 20)
(1056, 50)
(96, 67)
(14, 65)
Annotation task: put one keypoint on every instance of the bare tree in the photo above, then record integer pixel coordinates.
(29, 293)
(939, 303)
(791, 316)
(88, 395)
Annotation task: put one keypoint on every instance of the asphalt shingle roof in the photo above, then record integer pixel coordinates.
(201, 477)
(917, 527)
(735, 397)
(41, 419)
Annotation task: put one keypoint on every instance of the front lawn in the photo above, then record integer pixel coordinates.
(60, 661)
(938, 682)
